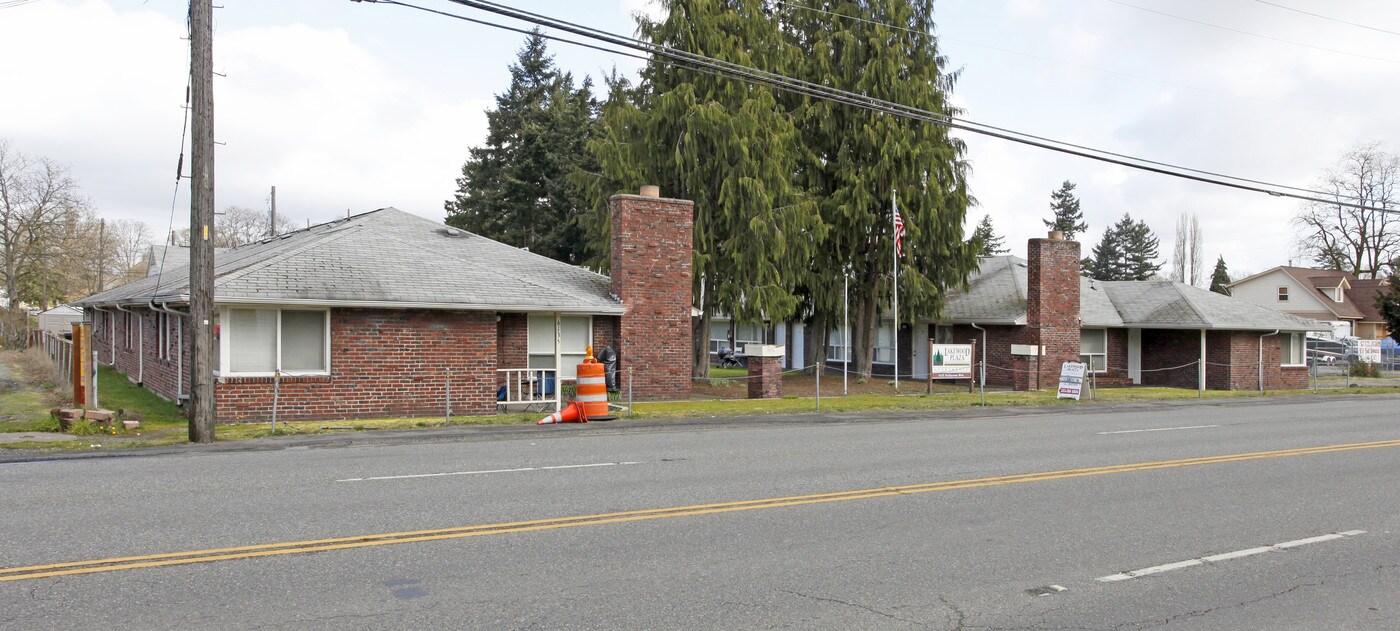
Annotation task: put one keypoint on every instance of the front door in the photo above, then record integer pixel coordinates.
(1135, 355)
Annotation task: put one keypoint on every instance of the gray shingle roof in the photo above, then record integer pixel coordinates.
(383, 258)
(997, 295)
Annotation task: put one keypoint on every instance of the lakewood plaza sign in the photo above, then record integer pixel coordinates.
(950, 361)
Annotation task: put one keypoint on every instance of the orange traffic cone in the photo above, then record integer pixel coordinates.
(571, 414)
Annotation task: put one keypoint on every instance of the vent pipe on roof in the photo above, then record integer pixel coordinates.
(651, 190)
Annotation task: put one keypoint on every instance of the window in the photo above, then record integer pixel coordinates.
(261, 341)
(1283, 294)
(1337, 295)
(942, 334)
(837, 349)
(1291, 351)
(575, 334)
(744, 334)
(884, 343)
(1093, 349)
(127, 321)
(163, 335)
(719, 335)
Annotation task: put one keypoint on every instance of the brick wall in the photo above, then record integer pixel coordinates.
(1052, 303)
(513, 341)
(144, 362)
(384, 363)
(651, 273)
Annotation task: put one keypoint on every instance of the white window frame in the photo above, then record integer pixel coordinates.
(837, 347)
(127, 322)
(557, 352)
(227, 334)
(1087, 358)
(1337, 295)
(718, 343)
(1296, 349)
(886, 326)
(162, 335)
(1283, 293)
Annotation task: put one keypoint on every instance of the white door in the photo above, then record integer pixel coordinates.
(1135, 355)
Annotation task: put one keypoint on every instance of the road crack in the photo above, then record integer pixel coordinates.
(857, 606)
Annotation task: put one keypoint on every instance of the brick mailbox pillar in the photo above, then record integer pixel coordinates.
(765, 370)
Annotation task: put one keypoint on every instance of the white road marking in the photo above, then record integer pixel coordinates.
(438, 475)
(1157, 429)
(1225, 556)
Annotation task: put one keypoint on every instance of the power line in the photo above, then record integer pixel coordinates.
(1243, 32)
(797, 86)
(1088, 67)
(1332, 19)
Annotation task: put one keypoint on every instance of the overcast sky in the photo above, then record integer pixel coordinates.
(357, 106)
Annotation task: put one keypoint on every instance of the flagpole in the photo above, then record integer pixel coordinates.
(894, 210)
(845, 331)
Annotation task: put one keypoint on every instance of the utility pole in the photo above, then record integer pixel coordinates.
(202, 221)
(272, 217)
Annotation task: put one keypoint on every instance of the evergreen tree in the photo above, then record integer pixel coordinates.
(725, 144)
(1389, 305)
(516, 188)
(1107, 259)
(985, 241)
(1127, 251)
(1220, 278)
(1067, 216)
(1140, 246)
(855, 160)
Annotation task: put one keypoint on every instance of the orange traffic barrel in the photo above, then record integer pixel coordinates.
(592, 389)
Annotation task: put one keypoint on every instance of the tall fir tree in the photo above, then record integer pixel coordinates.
(1127, 251)
(1220, 278)
(985, 240)
(516, 188)
(855, 160)
(1067, 217)
(725, 144)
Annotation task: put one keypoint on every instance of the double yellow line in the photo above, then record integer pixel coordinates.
(365, 541)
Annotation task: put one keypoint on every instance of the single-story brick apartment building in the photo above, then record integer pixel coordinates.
(1154, 332)
(390, 314)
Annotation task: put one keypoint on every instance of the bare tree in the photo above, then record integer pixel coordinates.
(1187, 252)
(238, 225)
(1364, 241)
(126, 242)
(40, 212)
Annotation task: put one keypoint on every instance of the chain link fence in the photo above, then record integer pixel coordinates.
(1334, 365)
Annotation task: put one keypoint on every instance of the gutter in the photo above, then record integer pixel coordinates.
(180, 352)
(1261, 357)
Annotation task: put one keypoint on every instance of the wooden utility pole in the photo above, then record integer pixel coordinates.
(202, 221)
(272, 217)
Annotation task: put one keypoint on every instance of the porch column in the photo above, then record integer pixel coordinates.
(558, 364)
(1201, 369)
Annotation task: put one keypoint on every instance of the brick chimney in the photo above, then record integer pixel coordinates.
(1052, 303)
(651, 274)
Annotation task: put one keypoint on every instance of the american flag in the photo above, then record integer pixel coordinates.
(898, 232)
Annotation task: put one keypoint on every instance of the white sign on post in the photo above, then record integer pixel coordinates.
(1368, 351)
(1071, 380)
(950, 361)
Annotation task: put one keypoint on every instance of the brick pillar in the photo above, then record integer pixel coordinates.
(651, 274)
(1052, 303)
(765, 370)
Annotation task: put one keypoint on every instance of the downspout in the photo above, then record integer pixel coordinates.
(1261, 358)
(982, 369)
(140, 347)
(180, 351)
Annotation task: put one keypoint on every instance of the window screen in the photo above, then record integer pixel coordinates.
(252, 340)
(303, 341)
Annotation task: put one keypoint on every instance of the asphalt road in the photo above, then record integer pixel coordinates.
(910, 521)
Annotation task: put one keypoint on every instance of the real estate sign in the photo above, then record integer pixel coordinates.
(1071, 380)
(1369, 351)
(950, 361)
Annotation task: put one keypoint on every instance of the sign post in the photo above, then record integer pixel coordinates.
(1071, 380)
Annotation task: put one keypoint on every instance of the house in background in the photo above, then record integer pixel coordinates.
(390, 314)
(1339, 298)
(59, 320)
